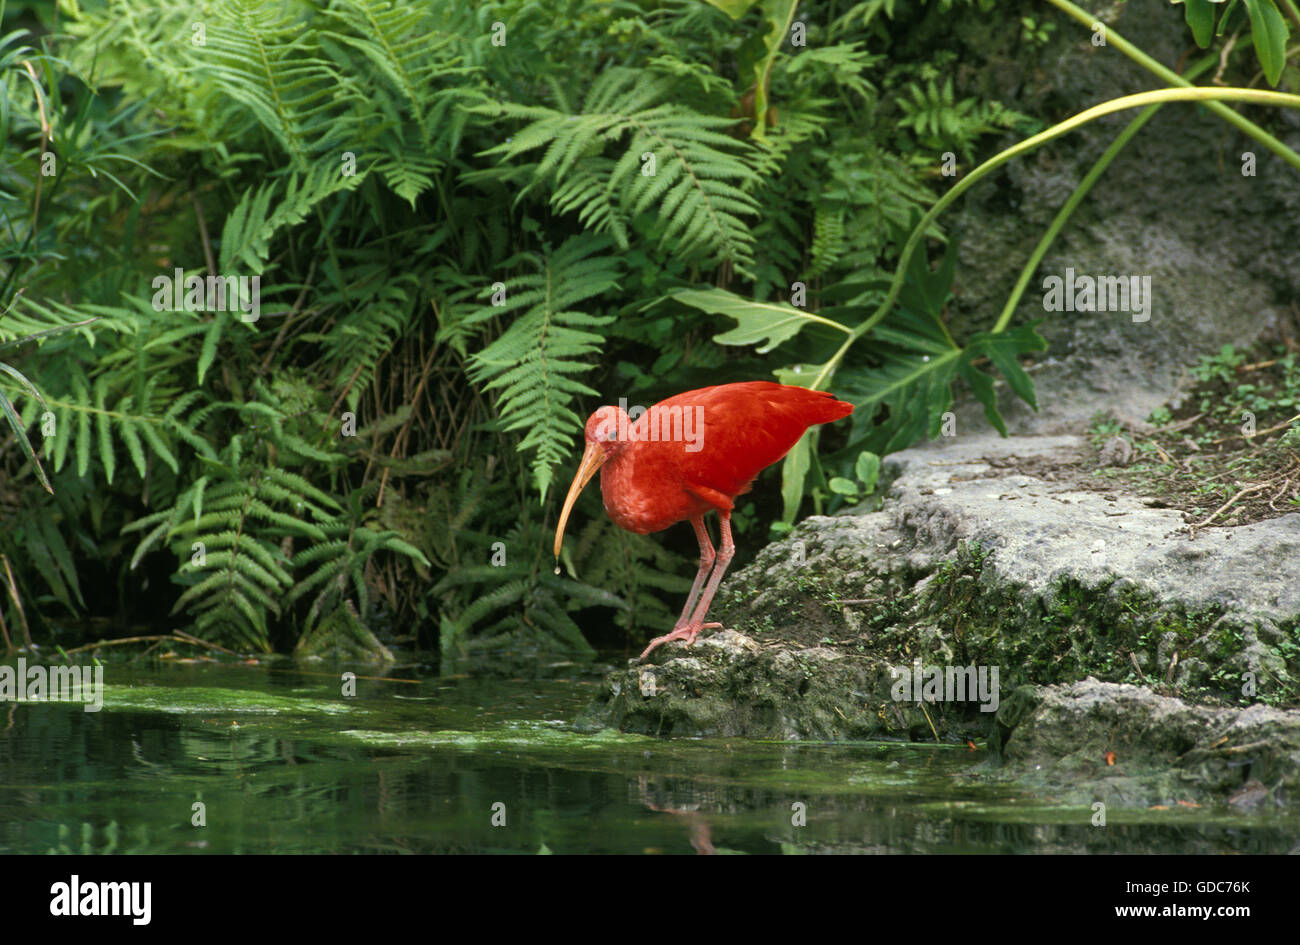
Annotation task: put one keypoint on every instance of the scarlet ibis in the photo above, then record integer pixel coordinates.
(689, 455)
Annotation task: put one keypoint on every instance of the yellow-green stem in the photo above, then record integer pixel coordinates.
(1157, 97)
(1085, 185)
(1113, 38)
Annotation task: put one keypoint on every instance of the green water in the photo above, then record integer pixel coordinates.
(280, 761)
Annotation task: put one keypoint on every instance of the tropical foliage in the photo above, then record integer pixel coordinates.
(302, 302)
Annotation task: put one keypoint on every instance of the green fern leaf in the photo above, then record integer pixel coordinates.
(531, 367)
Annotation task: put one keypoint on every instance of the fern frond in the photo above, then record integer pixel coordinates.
(633, 567)
(377, 309)
(259, 56)
(532, 366)
(265, 210)
(681, 162)
(585, 191)
(828, 239)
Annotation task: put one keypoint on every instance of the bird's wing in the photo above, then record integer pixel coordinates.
(720, 438)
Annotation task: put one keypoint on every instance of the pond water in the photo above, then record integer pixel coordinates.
(275, 759)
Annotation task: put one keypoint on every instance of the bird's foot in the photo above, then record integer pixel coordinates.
(687, 634)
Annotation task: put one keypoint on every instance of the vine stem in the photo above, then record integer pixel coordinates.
(1123, 103)
(1081, 191)
(1246, 126)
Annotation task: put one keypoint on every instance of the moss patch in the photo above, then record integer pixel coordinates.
(963, 614)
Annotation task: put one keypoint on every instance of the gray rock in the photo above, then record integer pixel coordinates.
(1069, 594)
(1043, 532)
(1094, 741)
(1117, 451)
(1149, 215)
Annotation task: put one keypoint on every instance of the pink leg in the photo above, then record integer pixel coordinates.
(725, 554)
(707, 556)
(689, 626)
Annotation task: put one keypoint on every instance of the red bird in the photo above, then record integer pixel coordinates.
(689, 455)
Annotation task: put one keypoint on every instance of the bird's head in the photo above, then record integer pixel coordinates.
(603, 432)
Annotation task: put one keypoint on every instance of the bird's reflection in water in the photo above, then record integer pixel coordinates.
(661, 798)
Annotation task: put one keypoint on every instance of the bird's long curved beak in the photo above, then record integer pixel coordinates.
(592, 460)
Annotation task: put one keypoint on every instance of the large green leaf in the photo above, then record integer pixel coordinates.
(1003, 348)
(20, 430)
(793, 472)
(924, 290)
(1269, 32)
(906, 395)
(765, 323)
(1200, 17)
(778, 15)
(733, 8)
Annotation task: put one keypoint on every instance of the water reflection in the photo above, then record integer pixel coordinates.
(278, 761)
